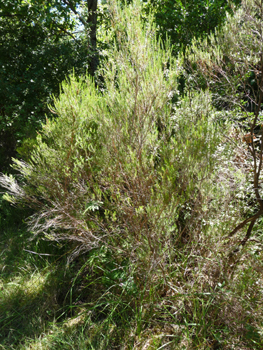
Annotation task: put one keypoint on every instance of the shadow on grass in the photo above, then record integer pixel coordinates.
(33, 280)
(42, 308)
(45, 305)
(39, 297)
(29, 302)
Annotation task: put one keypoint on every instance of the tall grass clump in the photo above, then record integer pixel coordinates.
(142, 180)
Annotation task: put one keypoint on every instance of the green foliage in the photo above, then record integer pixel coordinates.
(182, 20)
(230, 64)
(116, 164)
(37, 52)
(229, 60)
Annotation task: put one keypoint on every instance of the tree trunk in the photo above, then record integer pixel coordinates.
(92, 20)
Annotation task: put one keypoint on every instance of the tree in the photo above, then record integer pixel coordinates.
(183, 20)
(88, 18)
(40, 45)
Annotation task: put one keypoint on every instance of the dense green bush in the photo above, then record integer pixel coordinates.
(118, 163)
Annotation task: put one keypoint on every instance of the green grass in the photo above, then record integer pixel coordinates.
(97, 303)
(45, 305)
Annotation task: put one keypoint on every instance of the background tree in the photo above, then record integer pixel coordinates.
(40, 44)
(182, 20)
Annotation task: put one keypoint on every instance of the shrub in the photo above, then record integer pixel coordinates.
(122, 165)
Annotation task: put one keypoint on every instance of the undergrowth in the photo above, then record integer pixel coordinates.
(96, 304)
